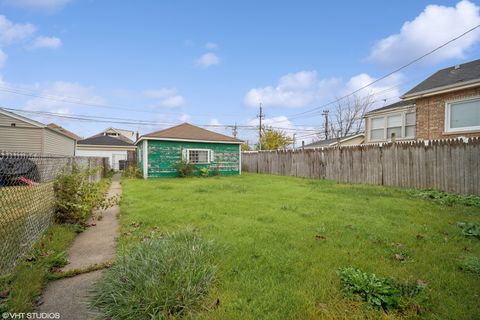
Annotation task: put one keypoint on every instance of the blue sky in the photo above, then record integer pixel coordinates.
(212, 62)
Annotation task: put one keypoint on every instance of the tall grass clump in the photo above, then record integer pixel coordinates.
(158, 279)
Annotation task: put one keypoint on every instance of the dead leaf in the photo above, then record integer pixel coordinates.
(399, 257)
(320, 237)
(421, 283)
(4, 294)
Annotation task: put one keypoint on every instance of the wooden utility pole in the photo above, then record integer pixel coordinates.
(260, 117)
(325, 114)
(235, 130)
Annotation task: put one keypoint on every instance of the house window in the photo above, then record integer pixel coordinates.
(394, 126)
(198, 156)
(410, 124)
(463, 115)
(403, 125)
(378, 128)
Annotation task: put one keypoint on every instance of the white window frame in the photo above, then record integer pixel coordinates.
(210, 155)
(448, 106)
(385, 128)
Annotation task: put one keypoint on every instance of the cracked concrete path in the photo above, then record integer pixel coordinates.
(95, 245)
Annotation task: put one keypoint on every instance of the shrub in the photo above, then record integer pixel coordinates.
(471, 264)
(185, 168)
(470, 229)
(75, 196)
(377, 292)
(158, 279)
(132, 171)
(449, 198)
(204, 172)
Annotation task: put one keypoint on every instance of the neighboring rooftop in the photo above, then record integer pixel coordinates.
(399, 104)
(454, 76)
(51, 126)
(64, 131)
(328, 142)
(103, 140)
(186, 131)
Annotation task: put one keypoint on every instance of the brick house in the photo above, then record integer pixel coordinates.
(445, 105)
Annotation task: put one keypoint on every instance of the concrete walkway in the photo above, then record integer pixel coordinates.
(96, 244)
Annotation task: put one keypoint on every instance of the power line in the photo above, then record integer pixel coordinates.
(136, 122)
(78, 101)
(392, 72)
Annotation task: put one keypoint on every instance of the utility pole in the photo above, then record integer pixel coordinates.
(294, 137)
(325, 114)
(235, 130)
(260, 117)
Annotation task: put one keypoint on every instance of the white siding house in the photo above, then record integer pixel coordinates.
(115, 148)
(21, 134)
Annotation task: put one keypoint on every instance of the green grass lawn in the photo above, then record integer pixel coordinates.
(282, 240)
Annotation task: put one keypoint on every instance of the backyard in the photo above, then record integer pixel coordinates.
(282, 241)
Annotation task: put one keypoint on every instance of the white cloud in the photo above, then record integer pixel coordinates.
(304, 88)
(215, 122)
(3, 58)
(211, 45)
(13, 32)
(167, 97)
(433, 27)
(60, 92)
(185, 117)
(46, 42)
(45, 5)
(208, 59)
(293, 90)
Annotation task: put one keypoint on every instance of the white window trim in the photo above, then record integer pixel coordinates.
(385, 128)
(210, 155)
(448, 106)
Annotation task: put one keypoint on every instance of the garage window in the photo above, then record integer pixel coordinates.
(198, 156)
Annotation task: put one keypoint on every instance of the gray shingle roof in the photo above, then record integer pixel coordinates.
(324, 143)
(402, 103)
(105, 141)
(454, 75)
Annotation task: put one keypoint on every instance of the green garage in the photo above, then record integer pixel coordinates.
(158, 152)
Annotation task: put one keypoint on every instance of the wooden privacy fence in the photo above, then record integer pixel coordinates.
(448, 165)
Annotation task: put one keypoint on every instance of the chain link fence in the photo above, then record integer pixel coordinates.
(27, 199)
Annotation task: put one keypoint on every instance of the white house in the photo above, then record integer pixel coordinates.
(111, 144)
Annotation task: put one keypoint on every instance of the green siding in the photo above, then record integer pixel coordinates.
(162, 155)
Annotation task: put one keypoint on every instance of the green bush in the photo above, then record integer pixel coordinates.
(158, 279)
(75, 196)
(185, 168)
(204, 172)
(470, 229)
(448, 198)
(377, 292)
(132, 171)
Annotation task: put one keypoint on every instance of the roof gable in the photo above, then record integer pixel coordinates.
(186, 131)
(398, 104)
(103, 140)
(455, 76)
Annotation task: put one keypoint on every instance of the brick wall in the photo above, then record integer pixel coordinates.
(431, 115)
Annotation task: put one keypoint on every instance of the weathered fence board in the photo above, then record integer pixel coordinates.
(448, 165)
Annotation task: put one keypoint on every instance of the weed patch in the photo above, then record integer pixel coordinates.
(158, 279)
(377, 292)
(448, 198)
(470, 229)
(471, 264)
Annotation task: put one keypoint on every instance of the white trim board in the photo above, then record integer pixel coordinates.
(145, 159)
(187, 140)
